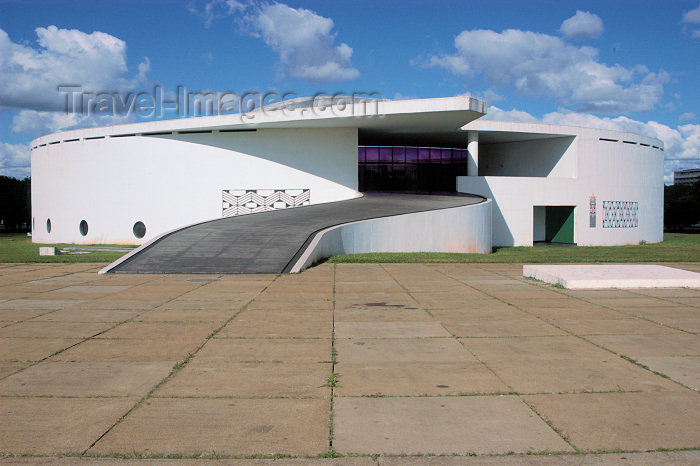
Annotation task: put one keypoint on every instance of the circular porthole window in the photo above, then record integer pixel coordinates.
(83, 227)
(139, 230)
(48, 225)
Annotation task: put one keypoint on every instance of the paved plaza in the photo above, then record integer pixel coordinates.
(373, 364)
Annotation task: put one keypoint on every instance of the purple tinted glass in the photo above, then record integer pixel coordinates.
(371, 154)
(424, 154)
(385, 154)
(435, 153)
(360, 154)
(399, 154)
(411, 154)
(446, 155)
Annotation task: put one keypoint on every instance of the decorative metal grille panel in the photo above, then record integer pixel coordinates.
(250, 201)
(620, 214)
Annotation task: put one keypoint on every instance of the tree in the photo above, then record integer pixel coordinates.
(681, 206)
(15, 203)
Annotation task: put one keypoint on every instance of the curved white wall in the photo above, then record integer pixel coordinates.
(169, 181)
(457, 229)
(601, 164)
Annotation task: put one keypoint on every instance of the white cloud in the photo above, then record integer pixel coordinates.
(687, 116)
(39, 122)
(216, 9)
(304, 43)
(518, 116)
(681, 144)
(14, 160)
(303, 39)
(583, 24)
(692, 16)
(540, 64)
(30, 75)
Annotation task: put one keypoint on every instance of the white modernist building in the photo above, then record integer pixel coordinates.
(130, 183)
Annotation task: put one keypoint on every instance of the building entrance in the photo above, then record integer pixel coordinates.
(553, 224)
(410, 169)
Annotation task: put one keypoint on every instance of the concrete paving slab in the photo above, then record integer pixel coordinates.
(695, 302)
(375, 301)
(625, 421)
(669, 292)
(382, 315)
(503, 328)
(207, 378)
(595, 295)
(87, 315)
(684, 369)
(689, 325)
(179, 331)
(358, 287)
(18, 315)
(413, 350)
(97, 460)
(578, 375)
(593, 312)
(35, 329)
(287, 328)
(39, 425)
(181, 315)
(533, 348)
(646, 458)
(290, 304)
(414, 379)
(114, 303)
(267, 350)
(298, 317)
(468, 314)
(453, 301)
(10, 367)
(613, 276)
(156, 349)
(89, 291)
(635, 302)
(389, 330)
(638, 346)
(628, 326)
(562, 300)
(661, 313)
(181, 304)
(32, 349)
(440, 425)
(222, 426)
(86, 379)
(45, 304)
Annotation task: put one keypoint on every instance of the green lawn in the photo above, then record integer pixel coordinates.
(676, 247)
(18, 247)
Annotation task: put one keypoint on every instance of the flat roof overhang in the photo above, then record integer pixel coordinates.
(383, 117)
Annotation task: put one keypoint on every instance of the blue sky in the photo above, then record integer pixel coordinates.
(618, 64)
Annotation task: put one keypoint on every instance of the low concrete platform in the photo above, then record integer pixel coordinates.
(613, 276)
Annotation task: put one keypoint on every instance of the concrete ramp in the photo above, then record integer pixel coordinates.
(269, 242)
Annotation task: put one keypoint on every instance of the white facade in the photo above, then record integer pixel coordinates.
(95, 185)
(166, 182)
(526, 166)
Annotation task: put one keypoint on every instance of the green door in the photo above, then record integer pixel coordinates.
(559, 224)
